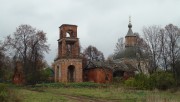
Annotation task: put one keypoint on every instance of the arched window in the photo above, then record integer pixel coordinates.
(71, 73)
(68, 34)
(57, 73)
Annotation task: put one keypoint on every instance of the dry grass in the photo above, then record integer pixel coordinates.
(110, 94)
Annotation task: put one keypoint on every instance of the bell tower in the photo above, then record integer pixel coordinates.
(68, 65)
(68, 43)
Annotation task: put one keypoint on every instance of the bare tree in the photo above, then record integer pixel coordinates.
(173, 34)
(151, 36)
(5, 65)
(119, 46)
(164, 49)
(110, 58)
(120, 51)
(29, 46)
(1, 60)
(141, 54)
(92, 53)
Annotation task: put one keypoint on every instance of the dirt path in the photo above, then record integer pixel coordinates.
(83, 99)
(87, 99)
(73, 98)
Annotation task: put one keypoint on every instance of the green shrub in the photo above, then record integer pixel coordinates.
(3, 92)
(162, 80)
(142, 81)
(130, 82)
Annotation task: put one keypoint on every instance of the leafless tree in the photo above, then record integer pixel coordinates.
(173, 34)
(92, 53)
(29, 45)
(1, 60)
(120, 51)
(151, 36)
(141, 54)
(6, 68)
(119, 46)
(164, 49)
(110, 58)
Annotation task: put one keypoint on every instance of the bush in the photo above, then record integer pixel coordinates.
(3, 92)
(140, 81)
(162, 80)
(45, 74)
(130, 82)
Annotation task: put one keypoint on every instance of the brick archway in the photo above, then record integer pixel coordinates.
(71, 73)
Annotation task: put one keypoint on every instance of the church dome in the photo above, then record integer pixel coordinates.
(130, 32)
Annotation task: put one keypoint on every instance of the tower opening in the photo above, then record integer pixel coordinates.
(57, 75)
(68, 34)
(71, 73)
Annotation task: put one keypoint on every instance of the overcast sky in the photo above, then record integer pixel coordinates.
(100, 22)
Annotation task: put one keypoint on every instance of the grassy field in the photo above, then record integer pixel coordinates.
(97, 94)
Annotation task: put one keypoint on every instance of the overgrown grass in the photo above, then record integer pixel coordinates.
(118, 94)
(36, 96)
(7, 94)
(55, 93)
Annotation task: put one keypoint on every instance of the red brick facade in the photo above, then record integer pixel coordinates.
(68, 65)
(98, 75)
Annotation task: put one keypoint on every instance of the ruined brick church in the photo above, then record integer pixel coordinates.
(68, 64)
